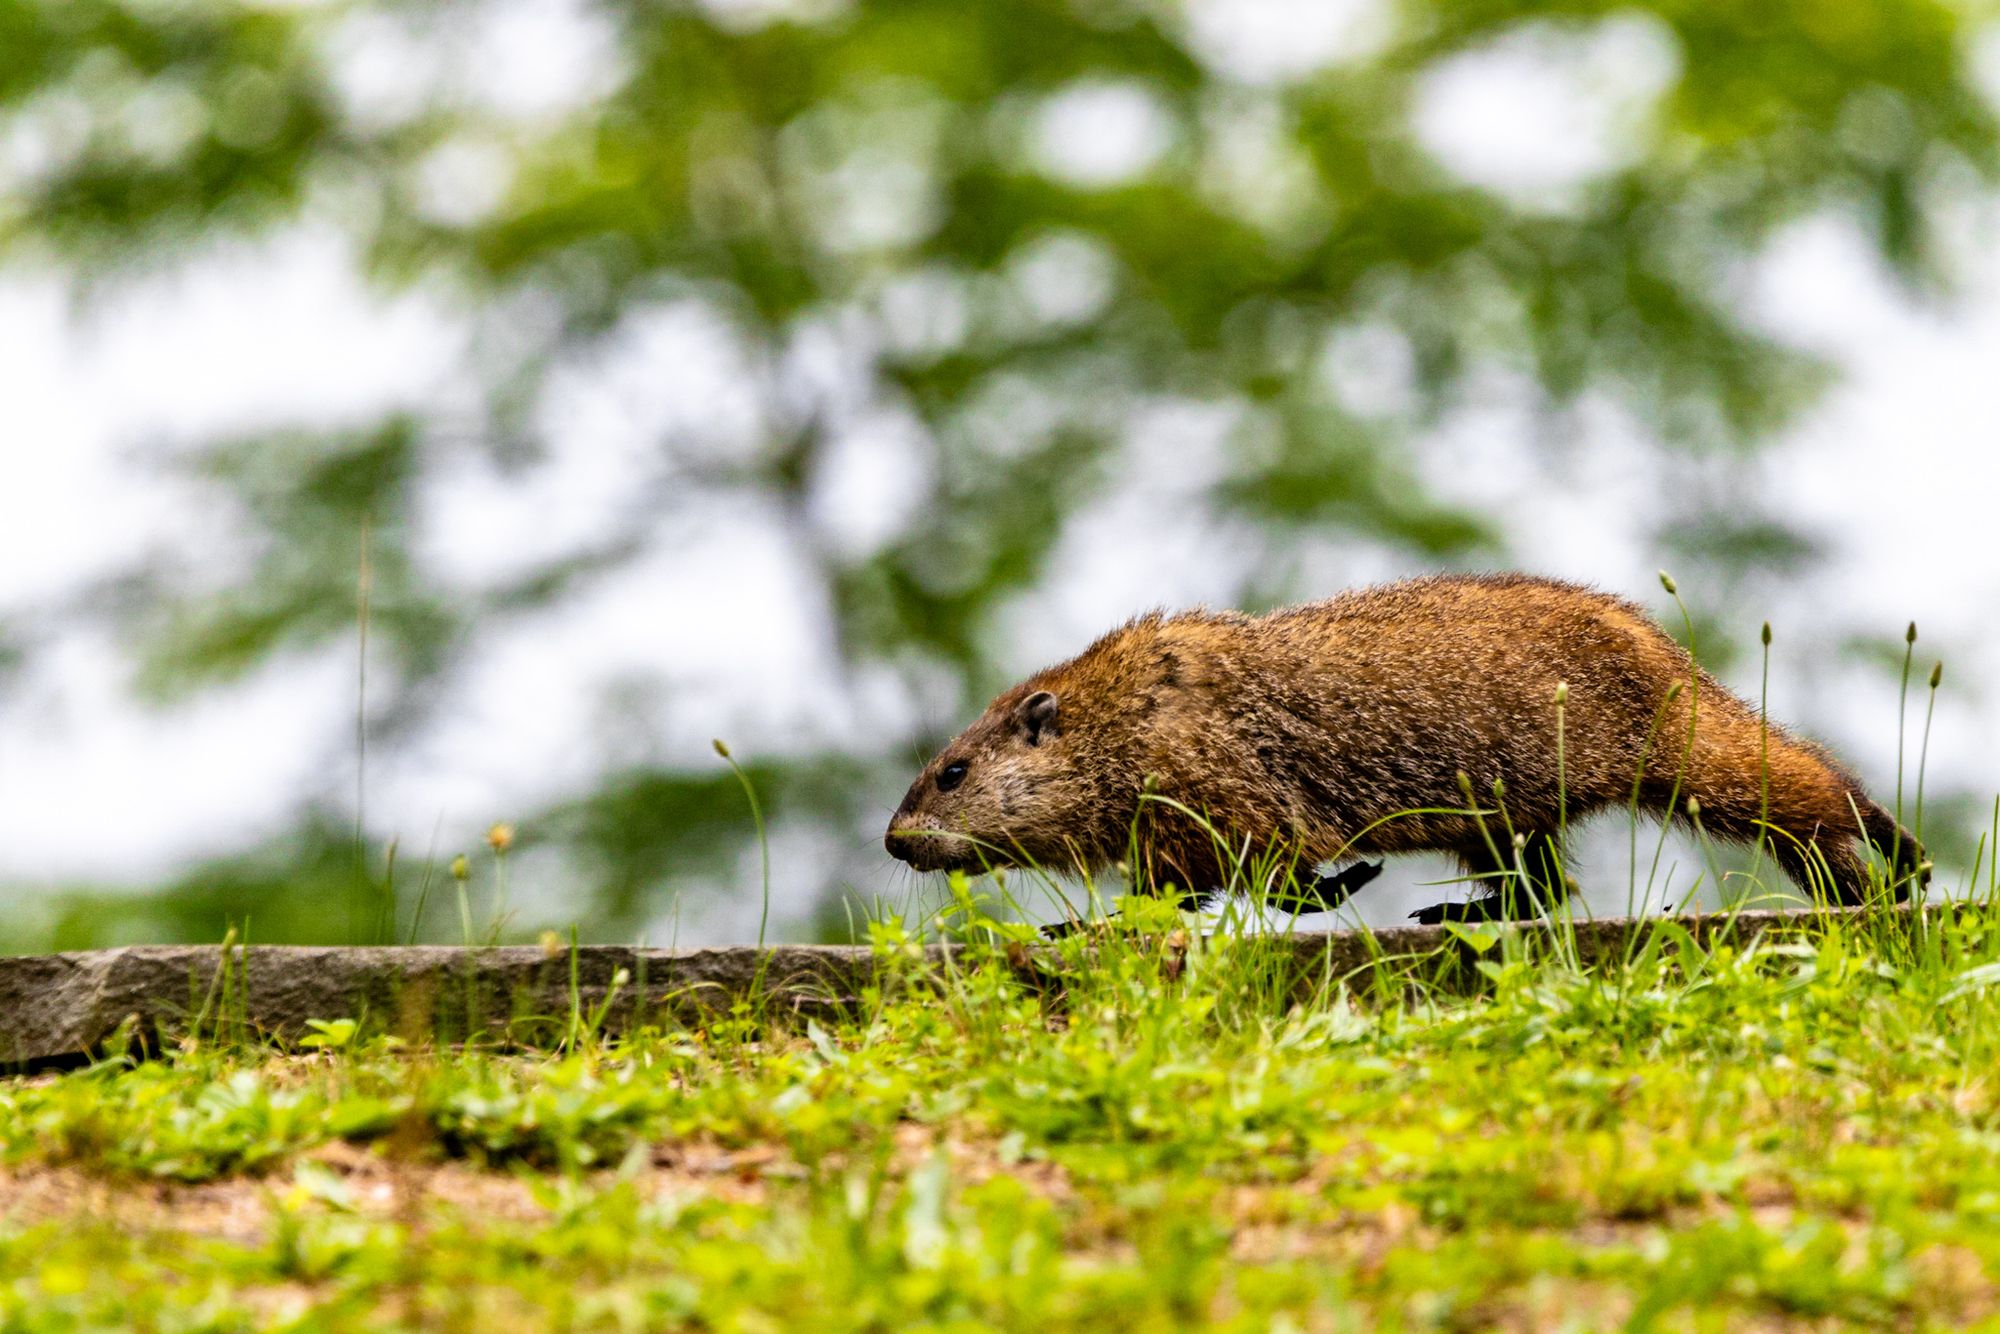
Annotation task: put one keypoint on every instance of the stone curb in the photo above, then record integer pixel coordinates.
(60, 1008)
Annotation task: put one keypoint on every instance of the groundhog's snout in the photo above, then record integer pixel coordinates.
(898, 841)
(917, 841)
(905, 838)
(910, 843)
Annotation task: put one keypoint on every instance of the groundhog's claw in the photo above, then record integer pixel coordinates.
(1484, 908)
(1333, 890)
(1471, 910)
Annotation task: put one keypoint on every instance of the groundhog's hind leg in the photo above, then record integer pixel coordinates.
(1501, 894)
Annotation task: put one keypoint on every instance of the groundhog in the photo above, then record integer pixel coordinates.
(1416, 716)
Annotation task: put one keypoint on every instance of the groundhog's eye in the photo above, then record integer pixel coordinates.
(951, 776)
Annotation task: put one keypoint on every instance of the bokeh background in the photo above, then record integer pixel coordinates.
(417, 416)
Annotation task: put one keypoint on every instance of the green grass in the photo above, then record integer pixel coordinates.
(1803, 1132)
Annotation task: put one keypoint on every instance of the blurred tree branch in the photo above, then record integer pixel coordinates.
(876, 178)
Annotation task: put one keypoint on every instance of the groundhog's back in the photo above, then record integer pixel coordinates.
(1393, 690)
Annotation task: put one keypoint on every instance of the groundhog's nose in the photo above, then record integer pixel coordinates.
(901, 840)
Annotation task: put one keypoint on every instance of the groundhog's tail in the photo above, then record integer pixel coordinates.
(1754, 783)
(1908, 865)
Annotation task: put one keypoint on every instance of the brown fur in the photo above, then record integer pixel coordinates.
(1309, 730)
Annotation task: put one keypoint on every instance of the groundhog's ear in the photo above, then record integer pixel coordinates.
(1035, 717)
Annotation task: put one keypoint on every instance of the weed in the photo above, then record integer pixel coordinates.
(1794, 1127)
(1163, 1121)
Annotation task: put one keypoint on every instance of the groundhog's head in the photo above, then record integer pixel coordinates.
(1009, 790)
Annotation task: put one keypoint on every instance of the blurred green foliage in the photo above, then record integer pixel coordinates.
(887, 177)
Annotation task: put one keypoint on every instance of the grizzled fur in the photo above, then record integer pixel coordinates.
(1308, 731)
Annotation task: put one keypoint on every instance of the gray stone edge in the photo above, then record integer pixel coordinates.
(61, 1008)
